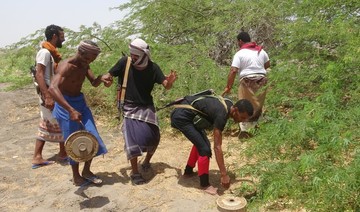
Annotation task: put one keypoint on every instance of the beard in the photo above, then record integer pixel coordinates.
(58, 43)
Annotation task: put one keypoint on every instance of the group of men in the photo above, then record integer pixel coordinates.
(63, 106)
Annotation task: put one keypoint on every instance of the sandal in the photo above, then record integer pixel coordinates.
(94, 179)
(137, 179)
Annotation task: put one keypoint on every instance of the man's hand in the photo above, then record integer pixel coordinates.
(75, 115)
(171, 77)
(49, 102)
(107, 79)
(226, 91)
(225, 181)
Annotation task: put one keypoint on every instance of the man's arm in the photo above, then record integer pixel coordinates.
(231, 79)
(91, 77)
(58, 96)
(40, 79)
(106, 79)
(225, 179)
(267, 64)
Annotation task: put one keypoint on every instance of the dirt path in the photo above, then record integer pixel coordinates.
(50, 189)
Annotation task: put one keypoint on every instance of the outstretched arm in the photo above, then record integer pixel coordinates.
(106, 79)
(170, 79)
(225, 179)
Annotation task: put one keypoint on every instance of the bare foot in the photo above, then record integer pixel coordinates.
(62, 155)
(80, 181)
(211, 190)
(44, 163)
(38, 160)
(87, 174)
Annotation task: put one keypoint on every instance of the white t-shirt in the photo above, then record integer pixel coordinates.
(44, 57)
(250, 62)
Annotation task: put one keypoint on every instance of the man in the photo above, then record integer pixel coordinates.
(250, 62)
(71, 109)
(140, 125)
(46, 61)
(217, 111)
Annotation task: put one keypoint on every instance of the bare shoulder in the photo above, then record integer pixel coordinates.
(66, 66)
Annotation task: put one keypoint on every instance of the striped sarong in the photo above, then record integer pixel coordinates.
(49, 129)
(140, 130)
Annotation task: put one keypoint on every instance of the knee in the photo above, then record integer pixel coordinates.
(205, 151)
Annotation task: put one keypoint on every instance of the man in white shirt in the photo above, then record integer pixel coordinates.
(250, 63)
(49, 130)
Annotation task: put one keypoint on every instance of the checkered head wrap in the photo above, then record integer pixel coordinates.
(89, 47)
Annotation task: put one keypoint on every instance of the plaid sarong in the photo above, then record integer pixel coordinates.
(142, 113)
(140, 130)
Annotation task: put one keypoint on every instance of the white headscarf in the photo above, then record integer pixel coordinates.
(140, 48)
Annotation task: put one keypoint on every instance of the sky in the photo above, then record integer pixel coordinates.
(20, 18)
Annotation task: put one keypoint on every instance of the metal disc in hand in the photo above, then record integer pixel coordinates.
(81, 146)
(230, 203)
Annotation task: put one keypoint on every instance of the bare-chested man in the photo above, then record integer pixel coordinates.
(70, 107)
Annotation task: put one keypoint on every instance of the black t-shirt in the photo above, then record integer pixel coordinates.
(213, 108)
(140, 83)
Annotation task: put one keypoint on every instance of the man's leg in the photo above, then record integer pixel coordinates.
(136, 177)
(134, 165)
(88, 175)
(202, 144)
(86, 170)
(78, 180)
(146, 163)
(193, 157)
(203, 166)
(62, 153)
(37, 158)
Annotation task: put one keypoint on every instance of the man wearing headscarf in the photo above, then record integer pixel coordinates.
(71, 109)
(46, 61)
(140, 124)
(250, 64)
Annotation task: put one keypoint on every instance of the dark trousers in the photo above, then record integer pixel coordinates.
(182, 119)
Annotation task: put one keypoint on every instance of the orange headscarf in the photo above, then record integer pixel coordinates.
(53, 51)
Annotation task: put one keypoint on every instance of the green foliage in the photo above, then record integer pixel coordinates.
(307, 150)
(15, 67)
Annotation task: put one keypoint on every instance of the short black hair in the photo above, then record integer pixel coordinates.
(244, 105)
(51, 30)
(244, 37)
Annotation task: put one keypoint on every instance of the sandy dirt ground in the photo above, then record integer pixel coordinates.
(50, 188)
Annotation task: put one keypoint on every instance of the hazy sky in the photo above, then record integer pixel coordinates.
(19, 18)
